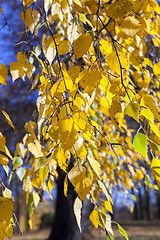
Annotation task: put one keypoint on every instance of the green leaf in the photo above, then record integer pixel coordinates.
(17, 161)
(11, 177)
(110, 237)
(39, 162)
(21, 172)
(140, 144)
(158, 146)
(30, 210)
(122, 231)
(38, 50)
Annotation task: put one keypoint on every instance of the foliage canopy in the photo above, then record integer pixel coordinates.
(92, 73)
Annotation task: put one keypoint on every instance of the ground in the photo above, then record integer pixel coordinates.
(135, 231)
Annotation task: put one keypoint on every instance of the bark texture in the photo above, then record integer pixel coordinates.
(64, 224)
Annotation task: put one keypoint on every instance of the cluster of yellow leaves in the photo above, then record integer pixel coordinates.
(6, 221)
(95, 75)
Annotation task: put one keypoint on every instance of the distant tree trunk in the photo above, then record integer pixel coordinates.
(64, 225)
(158, 204)
(135, 211)
(140, 204)
(147, 203)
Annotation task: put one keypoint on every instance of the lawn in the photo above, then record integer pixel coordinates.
(135, 231)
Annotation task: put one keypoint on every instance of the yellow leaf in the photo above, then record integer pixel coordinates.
(6, 209)
(155, 6)
(1, 10)
(98, 218)
(71, 139)
(104, 190)
(114, 64)
(36, 198)
(155, 167)
(132, 110)
(58, 89)
(62, 158)
(3, 147)
(138, 176)
(74, 72)
(80, 120)
(47, 4)
(81, 44)
(30, 18)
(27, 3)
(120, 8)
(66, 186)
(115, 109)
(27, 184)
(8, 231)
(49, 51)
(77, 211)
(95, 165)
(21, 68)
(55, 10)
(148, 101)
(3, 159)
(145, 112)
(155, 128)
(131, 26)
(43, 173)
(3, 74)
(35, 149)
(51, 184)
(68, 80)
(63, 47)
(94, 218)
(156, 68)
(8, 119)
(78, 178)
(78, 100)
(30, 223)
(108, 206)
(89, 80)
(105, 47)
(65, 128)
(78, 2)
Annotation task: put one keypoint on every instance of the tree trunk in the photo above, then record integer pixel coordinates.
(64, 225)
(147, 204)
(158, 204)
(140, 204)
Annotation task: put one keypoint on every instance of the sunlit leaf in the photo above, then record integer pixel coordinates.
(89, 79)
(17, 162)
(8, 119)
(6, 209)
(77, 211)
(81, 44)
(30, 18)
(120, 8)
(123, 232)
(131, 26)
(3, 74)
(36, 198)
(3, 159)
(140, 144)
(155, 166)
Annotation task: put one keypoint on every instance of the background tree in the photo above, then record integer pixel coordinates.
(88, 54)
